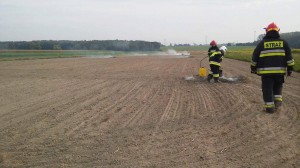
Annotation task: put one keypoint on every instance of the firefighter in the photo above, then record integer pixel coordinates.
(272, 59)
(215, 58)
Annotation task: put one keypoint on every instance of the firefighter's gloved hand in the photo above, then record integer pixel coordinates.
(253, 69)
(289, 70)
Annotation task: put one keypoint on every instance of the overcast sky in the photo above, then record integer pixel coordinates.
(165, 21)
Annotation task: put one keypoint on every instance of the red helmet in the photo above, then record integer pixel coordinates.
(272, 26)
(213, 43)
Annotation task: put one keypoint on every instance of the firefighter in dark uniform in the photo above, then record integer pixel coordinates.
(215, 58)
(272, 59)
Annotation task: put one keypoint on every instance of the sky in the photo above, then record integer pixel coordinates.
(165, 21)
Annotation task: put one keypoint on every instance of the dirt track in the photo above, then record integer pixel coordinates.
(140, 112)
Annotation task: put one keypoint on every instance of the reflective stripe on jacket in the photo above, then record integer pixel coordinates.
(215, 56)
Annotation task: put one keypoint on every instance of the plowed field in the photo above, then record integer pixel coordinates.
(140, 112)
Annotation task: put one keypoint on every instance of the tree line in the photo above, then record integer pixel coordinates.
(115, 45)
(293, 38)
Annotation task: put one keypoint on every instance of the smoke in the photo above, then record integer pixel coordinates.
(100, 56)
(172, 52)
(175, 53)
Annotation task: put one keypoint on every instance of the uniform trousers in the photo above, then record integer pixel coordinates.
(272, 89)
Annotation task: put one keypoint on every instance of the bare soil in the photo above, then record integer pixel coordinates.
(140, 112)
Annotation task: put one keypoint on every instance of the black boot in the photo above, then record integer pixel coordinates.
(270, 110)
(278, 104)
(209, 77)
(221, 72)
(216, 79)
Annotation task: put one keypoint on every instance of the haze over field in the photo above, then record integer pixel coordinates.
(168, 21)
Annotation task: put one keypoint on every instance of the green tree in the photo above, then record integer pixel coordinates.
(56, 47)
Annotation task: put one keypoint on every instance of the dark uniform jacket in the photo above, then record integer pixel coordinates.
(272, 56)
(215, 56)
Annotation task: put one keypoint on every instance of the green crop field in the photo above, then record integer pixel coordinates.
(8, 55)
(47, 54)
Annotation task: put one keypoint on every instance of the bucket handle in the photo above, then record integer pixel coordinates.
(202, 60)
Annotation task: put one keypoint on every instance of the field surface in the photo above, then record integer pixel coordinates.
(141, 112)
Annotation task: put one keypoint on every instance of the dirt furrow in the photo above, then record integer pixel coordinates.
(151, 96)
(105, 114)
(41, 123)
(79, 113)
(168, 108)
(42, 105)
(140, 112)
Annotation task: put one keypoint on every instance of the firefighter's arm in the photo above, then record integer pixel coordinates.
(289, 59)
(209, 52)
(255, 57)
(222, 56)
(253, 68)
(289, 70)
(221, 59)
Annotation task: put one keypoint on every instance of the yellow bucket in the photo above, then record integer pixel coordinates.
(202, 72)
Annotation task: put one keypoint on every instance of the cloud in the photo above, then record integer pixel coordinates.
(177, 21)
